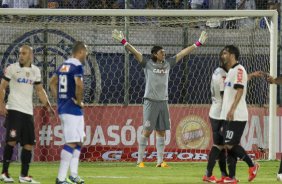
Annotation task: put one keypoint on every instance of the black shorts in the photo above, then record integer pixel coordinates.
(217, 130)
(20, 127)
(233, 131)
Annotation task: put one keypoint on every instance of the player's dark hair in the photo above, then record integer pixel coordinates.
(232, 49)
(154, 50)
(220, 58)
(78, 46)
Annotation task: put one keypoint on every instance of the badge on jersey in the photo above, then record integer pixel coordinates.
(65, 68)
(13, 133)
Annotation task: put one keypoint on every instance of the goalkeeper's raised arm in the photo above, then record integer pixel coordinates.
(189, 49)
(119, 37)
(272, 80)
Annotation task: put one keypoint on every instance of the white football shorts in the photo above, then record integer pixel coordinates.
(73, 128)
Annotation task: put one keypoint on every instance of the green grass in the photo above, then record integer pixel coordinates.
(128, 173)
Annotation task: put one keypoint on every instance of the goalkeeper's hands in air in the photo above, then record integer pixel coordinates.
(119, 37)
(202, 39)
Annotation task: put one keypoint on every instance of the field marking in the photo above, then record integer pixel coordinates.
(126, 177)
(109, 177)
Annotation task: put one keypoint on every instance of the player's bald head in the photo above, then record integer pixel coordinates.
(80, 51)
(27, 47)
(25, 55)
(78, 46)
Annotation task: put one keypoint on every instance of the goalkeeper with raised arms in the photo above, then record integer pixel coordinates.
(155, 107)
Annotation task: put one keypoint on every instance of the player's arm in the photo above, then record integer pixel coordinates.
(78, 91)
(255, 74)
(41, 93)
(189, 49)
(54, 86)
(3, 86)
(272, 80)
(118, 36)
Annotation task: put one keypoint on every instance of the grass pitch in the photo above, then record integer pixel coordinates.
(128, 173)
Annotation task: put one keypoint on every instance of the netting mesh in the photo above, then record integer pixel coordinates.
(114, 81)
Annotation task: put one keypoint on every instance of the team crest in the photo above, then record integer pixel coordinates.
(147, 123)
(65, 68)
(13, 133)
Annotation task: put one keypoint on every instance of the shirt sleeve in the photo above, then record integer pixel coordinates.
(37, 77)
(239, 78)
(8, 73)
(172, 61)
(143, 63)
(78, 72)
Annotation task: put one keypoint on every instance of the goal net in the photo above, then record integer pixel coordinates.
(114, 81)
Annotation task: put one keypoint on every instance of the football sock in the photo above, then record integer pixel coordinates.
(8, 152)
(141, 148)
(75, 161)
(66, 156)
(231, 162)
(222, 162)
(25, 158)
(160, 143)
(212, 160)
(241, 153)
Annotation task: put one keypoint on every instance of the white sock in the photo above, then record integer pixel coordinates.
(141, 148)
(160, 144)
(75, 161)
(66, 156)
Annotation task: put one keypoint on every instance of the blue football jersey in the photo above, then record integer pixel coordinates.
(66, 73)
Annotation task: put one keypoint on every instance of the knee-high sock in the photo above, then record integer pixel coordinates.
(66, 156)
(8, 152)
(222, 162)
(141, 148)
(25, 158)
(241, 153)
(75, 161)
(212, 160)
(231, 162)
(160, 144)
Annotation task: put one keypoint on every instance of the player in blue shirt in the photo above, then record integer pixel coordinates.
(67, 87)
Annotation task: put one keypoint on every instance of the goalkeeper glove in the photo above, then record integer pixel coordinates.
(118, 36)
(202, 39)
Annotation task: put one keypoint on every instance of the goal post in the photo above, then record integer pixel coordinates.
(115, 82)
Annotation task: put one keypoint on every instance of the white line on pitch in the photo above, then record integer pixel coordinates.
(110, 177)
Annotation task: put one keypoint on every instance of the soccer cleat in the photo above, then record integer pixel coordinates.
(27, 179)
(221, 180)
(77, 180)
(5, 177)
(230, 180)
(253, 172)
(63, 182)
(163, 164)
(211, 179)
(279, 177)
(141, 165)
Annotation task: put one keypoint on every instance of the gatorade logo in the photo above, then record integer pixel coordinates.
(193, 132)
